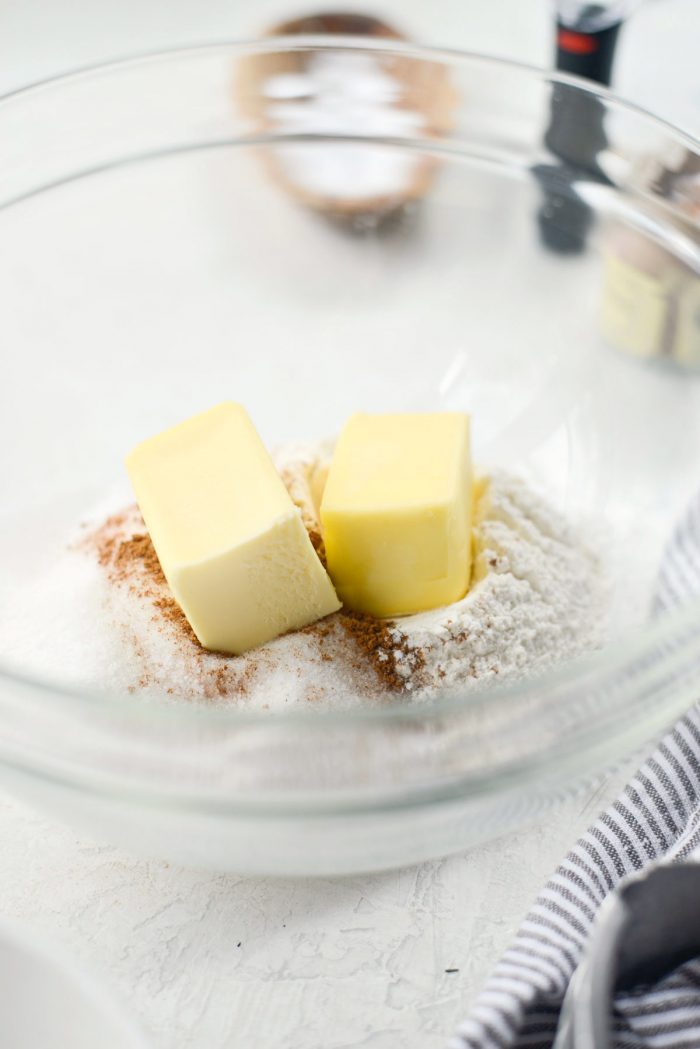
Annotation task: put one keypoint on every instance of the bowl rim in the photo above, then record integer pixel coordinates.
(345, 42)
(607, 661)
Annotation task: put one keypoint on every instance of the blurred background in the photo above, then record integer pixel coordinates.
(656, 64)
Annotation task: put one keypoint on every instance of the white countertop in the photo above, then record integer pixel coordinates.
(219, 962)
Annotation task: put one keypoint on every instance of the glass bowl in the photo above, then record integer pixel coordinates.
(523, 247)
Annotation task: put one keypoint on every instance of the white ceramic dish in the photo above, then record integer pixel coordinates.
(49, 1001)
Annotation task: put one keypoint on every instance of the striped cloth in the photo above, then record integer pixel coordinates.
(656, 817)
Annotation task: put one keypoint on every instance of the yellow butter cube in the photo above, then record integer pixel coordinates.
(397, 511)
(228, 536)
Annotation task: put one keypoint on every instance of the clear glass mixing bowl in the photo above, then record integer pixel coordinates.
(156, 256)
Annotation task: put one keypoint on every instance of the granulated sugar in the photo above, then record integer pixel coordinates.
(102, 616)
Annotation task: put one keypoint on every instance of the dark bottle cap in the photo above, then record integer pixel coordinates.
(589, 55)
(575, 137)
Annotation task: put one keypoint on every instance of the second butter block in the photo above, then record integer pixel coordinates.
(397, 511)
(228, 536)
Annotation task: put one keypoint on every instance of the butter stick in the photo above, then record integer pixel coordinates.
(397, 510)
(228, 536)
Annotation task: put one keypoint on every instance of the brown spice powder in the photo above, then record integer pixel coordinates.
(132, 562)
(384, 646)
(129, 560)
(138, 548)
(173, 614)
(318, 545)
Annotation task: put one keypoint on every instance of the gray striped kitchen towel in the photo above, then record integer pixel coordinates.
(657, 817)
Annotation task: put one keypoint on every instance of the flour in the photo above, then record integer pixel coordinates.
(537, 599)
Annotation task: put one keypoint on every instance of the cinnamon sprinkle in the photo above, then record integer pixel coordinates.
(384, 646)
(134, 562)
(173, 614)
(124, 550)
(318, 545)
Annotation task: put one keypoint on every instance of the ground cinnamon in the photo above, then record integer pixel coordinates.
(126, 553)
(318, 545)
(384, 647)
(133, 561)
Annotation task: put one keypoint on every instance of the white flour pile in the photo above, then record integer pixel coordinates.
(102, 617)
(537, 596)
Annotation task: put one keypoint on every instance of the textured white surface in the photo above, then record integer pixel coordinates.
(357, 962)
(353, 962)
